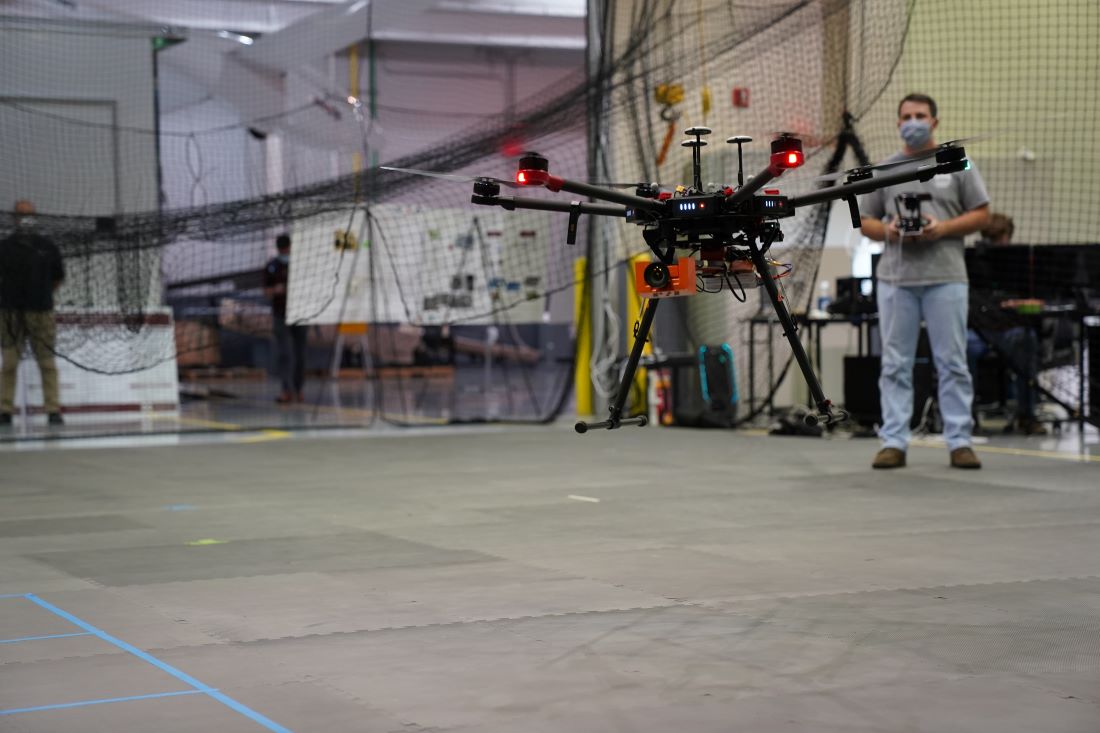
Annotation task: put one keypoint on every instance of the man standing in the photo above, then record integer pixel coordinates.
(922, 276)
(290, 340)
(30, 270)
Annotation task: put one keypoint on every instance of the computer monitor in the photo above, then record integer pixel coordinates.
(1057, 272)
(1001, 268)
(854, 296)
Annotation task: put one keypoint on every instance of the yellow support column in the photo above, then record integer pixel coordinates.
(353, 90)
(582, 370)
(358, 330)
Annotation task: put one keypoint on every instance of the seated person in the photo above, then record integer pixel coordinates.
(436, 347)
(993, 327)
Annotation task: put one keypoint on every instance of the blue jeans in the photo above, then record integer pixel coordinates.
(943, 309)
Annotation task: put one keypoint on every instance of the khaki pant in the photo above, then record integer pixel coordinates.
(38, 327)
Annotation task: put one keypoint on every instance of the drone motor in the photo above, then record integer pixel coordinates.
(534, 169)
(485, 187)
(787, 152)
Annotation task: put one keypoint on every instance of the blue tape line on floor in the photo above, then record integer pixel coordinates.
(39, 638)
(182, 676)
(82, 703)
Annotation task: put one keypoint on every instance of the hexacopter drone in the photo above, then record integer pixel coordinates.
(725, 234)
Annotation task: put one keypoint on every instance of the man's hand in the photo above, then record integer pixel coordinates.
(932, 229)
(891, 229)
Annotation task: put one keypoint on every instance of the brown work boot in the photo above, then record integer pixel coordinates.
(964, 458)
(889, 458)
(1031, 426)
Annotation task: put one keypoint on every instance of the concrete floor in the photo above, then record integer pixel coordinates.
(529, 579)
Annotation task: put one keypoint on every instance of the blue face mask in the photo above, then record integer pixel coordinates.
(284, 258)
(916, 133)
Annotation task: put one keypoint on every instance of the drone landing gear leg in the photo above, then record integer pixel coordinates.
(826, 413)
(616, 420)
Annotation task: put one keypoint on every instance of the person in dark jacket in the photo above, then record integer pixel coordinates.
(290, 339)
(31, 269)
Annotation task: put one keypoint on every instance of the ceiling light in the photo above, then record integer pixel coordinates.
(246, 40)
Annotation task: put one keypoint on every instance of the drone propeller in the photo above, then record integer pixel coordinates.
(923, 155)
(453, 177)
(859, 170)
(811, 139)
(626, 184)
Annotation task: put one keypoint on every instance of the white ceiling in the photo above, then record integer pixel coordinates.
(420, 20)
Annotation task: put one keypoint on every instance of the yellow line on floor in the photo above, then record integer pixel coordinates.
(367, 413)
(264, 436)
(1030, 452)
(1038, 453)
(200, 422)
(416, 420)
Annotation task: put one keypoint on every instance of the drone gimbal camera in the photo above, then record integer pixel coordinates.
(910, 223)
(721, 235)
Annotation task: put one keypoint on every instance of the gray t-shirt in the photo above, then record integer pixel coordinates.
(914, 263)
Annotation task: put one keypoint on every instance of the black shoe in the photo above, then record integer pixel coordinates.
(56, 419)
(5, 418)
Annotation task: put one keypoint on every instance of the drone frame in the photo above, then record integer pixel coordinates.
(740, 225)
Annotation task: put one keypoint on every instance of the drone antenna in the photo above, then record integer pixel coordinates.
(696, 154)
(740, 140)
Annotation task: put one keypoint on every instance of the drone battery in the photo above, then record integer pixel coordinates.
(772, 206)
(697, 206)
(681, 279)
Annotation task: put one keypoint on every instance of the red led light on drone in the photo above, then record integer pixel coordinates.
(533, 170)
(530, 177)
(527, 177)
(786, 154)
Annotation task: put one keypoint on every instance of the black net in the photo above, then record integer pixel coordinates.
(165, 155)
